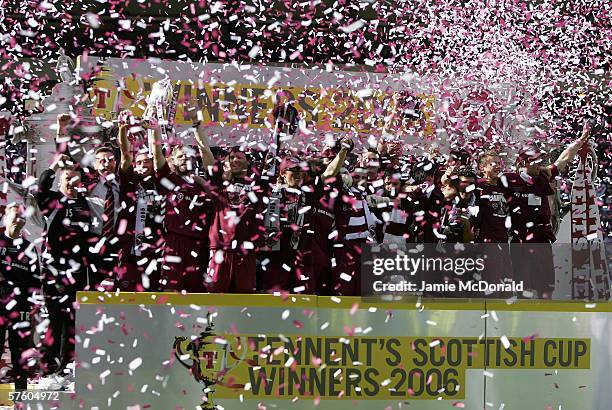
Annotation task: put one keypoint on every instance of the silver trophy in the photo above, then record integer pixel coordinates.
(161, 107)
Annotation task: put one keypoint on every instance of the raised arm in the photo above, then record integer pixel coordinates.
(125, 148)
(570, 152)
(45, 182)
(154, 138)
(334, 167)
(201, 138)
(61, 139)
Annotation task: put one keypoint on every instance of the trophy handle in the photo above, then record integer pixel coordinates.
(226, 368)
(179, 343)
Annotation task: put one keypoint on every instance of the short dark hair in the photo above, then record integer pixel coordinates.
(420, 174)
(104, 148)
(460, 155)
(453, 182)
(70, 168)
(466, 172)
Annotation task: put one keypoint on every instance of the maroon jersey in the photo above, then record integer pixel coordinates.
(141, 220)
(490, 223)
(297, 214)
(353, 217)
(237, 216)
(186, 204)
(424, 208)
(324, 223)
(528, 206)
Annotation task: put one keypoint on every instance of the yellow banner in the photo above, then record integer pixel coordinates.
(427, 368)
(334, 109)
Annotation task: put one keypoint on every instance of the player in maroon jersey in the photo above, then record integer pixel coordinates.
(236, 228)
(425, 200)
(529, 189)
(492, 221)
(291, 268)
(186, 216)
(356, 227)
(140, 228)
(323, 230)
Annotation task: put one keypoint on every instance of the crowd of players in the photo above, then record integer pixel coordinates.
(157, 217)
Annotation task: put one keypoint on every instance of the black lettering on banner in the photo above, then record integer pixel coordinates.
(581, 350)
(350, 349)
(415, 376)
(309, 109)
(550, 358)
(368, 342)
(436, 360)
(241, 107)
(210, 103)
(525, 352)
(353, 379)
(434, 379)
(229, 104)
(369, 376)
(296, 379)
(566, 352)
(312, 348)
(454, 352)
(254, 346)
(317, 378)
(334, 381)
(451, 381)
(330, 350)
(498, 349)
(187, 88)
(418, 343)
(235, 107)
(261, 378)
(393, 352)
(510, 352)
(398, 389)
(487, 353)
(281, 381)
(470, 350)
(293, 350)
(257, 106)
(271, 360)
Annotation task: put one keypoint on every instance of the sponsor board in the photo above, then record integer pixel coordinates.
(237, 351)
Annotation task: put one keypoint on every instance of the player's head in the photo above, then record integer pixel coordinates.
(423, 172)
(69, 182)
(458, 157)
(143, 164)
(236, 162)
(14, 221)
(181, 159)
(451, 187)
(105, 162)
(370, 162)
(292, 172)
(393, 183)
(467, 181)
(489, 164)
(530, 159)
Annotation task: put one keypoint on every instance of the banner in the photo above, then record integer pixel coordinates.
(238, 99)
(160, 351)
